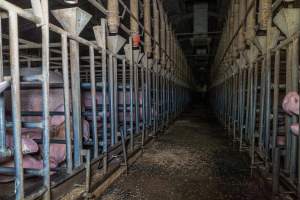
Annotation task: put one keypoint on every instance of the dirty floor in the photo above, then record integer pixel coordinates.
(192, 160)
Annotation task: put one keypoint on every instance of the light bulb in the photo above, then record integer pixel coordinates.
(71, 1)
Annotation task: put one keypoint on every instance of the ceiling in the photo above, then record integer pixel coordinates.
(181, 13)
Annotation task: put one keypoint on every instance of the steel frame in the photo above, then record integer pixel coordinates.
(250, 80)
(158, 85)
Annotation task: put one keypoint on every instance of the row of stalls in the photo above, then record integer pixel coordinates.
(83, 88)
(255, 84)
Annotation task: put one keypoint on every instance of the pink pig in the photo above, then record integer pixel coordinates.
(291, 103)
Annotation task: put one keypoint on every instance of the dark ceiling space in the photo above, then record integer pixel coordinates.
(199, 43)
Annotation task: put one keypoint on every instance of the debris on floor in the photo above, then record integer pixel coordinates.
(193, 160)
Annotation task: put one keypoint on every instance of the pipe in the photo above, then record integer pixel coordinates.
(134, 26)
(67, 103)
(250, 25)
(265, 12)
(93, 93)
(46, 118)
(147, 25)
(162, 33)
(4, 152)
(113, 19)
(156, 30)
(16, 102)
(104, 92)
(242, 14)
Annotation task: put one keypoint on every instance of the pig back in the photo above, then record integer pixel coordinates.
(31, 99)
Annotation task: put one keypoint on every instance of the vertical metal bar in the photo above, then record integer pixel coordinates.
(131, 94)
(276, 171)
(2, 102)
(295, 82)
(267, 104)
(94, 106)
(16, 102)
(76, 104)
(143, 103)
(65, 68)
(275, 150)
(46, 132)
(104, 95)
(124, 97)
(253, 128)
(287, 118)
(116, 103)
(146, 103)
(136, 97)
(111, 98)
(262, 106)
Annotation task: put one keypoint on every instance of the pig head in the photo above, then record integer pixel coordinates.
(291, 103)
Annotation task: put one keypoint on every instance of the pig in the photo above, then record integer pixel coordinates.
(291, 103)
(31, 100)
(87, 103)
(58, 151)
(29, 146)
(295, 129)
(29, 162)
(281, 140)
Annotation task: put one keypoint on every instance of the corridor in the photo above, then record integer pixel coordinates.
(193, 159)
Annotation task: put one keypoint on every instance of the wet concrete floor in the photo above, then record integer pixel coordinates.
(193, 159)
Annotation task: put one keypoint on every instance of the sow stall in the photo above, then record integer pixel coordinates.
(256, 72)
(82, 89)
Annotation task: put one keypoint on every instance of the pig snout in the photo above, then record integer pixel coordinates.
(291, 103)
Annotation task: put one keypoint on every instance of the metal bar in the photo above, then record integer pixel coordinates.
(4, 152)
(67, 103)
(45, 71)
(16, 102)
(76, 105)
(104, 92)
(93, 92)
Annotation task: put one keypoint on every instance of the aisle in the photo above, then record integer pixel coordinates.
(192, 160)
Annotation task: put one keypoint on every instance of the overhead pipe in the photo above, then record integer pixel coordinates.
(147, 26)
(251, 22)
(236, 27)
(162, 33)
(156, 30)
(265, 12)
(241, 36)
(113, 19)
(134, 26)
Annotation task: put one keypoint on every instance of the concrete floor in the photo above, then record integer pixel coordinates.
(193, 160)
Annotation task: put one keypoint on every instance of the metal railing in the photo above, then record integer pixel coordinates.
(133, 95)
(250, 88)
